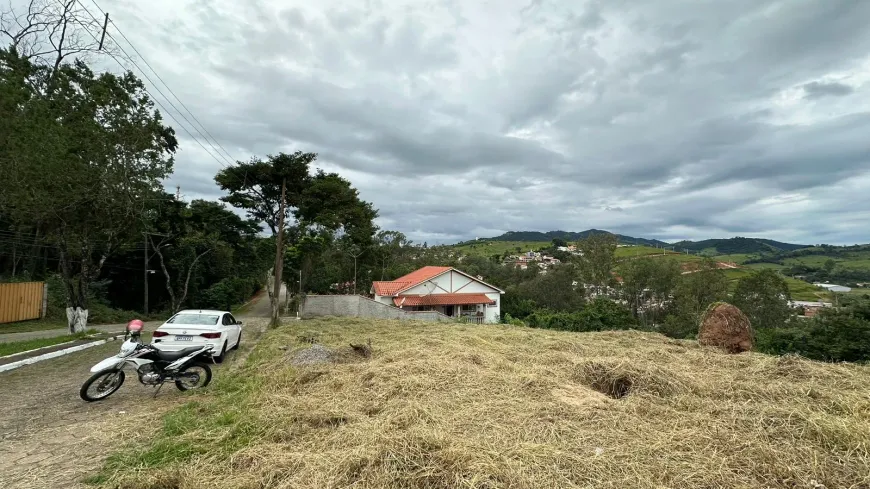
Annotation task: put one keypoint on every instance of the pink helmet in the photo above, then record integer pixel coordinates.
(135, 325)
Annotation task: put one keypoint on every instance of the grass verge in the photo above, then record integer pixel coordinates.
(20, 346)
(496, 406)
(34, 325)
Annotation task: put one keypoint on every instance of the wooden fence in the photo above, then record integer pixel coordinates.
(22, 301)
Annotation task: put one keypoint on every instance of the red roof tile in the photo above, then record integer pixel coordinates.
(422, 275)
(416, 277)
(442, 299)
(389, 288)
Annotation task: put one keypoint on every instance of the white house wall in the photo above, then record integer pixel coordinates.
(493, 313)
(384, 300)
(448, 283)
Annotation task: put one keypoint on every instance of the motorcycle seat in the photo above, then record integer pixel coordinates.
(171, 356)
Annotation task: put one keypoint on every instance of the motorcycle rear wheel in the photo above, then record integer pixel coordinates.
(203, 376)
(115, 379)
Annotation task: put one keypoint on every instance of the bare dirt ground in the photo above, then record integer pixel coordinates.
(50, 438)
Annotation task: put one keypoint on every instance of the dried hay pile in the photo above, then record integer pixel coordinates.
(725, 326)
(439, 406)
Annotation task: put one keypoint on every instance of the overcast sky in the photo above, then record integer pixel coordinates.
(459, 119)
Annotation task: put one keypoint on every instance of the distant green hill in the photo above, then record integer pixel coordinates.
(736, 245)
(538, 236)
(712, 247)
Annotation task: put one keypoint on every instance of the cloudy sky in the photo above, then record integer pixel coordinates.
(662, 119)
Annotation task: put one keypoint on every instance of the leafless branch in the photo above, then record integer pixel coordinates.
(52, 31)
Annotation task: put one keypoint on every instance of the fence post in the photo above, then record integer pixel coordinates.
(44, 299)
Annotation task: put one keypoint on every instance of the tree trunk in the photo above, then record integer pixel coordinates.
(76, 297)
(77, 319)
(35, 253)
(279, 260)
(172, 303)
(187, 281)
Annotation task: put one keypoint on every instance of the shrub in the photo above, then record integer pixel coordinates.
(228, 292)
(831, 336)
(508, 319)
(599, 315)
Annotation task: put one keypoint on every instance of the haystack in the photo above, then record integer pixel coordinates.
(725, 326)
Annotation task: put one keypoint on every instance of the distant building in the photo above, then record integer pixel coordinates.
(834, 287)
(443, 289)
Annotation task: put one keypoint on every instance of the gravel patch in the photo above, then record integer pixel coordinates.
(313, 355)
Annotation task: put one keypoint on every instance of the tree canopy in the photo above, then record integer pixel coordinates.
(82, 154)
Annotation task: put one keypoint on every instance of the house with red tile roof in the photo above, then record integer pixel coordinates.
(446, 290)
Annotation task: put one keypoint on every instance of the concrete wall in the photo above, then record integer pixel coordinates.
(358, 306)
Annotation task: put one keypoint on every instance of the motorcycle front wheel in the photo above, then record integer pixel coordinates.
(102, 385)
(194, 376)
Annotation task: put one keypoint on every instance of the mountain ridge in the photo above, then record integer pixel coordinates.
(736, 244)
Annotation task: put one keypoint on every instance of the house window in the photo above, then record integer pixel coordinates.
(469, 308)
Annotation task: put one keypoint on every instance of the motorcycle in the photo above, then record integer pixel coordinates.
(187, 368)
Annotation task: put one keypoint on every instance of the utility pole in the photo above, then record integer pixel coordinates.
(355, 256)
(145, 270)
(103, 36)
(145, 263)
(279, 257)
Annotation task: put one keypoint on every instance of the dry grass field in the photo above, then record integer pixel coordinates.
(443, 406)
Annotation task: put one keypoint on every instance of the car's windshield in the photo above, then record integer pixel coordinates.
(193, 319)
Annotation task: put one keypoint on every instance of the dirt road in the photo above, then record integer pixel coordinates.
(50, 438)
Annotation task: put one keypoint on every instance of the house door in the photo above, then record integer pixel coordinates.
(448, 310)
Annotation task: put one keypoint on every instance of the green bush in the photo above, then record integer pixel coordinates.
(598, 315)
(680, 325)
(841, 336)
(229, 292)
(508, 319)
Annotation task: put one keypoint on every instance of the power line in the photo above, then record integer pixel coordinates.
(158, 90)
(34, 242)
(161, 80)
(54, 259)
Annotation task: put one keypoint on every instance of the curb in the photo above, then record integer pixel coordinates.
(36, 349)
(58, 344)
(54, 354)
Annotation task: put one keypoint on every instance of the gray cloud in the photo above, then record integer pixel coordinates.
(671, 119)
(815, 90)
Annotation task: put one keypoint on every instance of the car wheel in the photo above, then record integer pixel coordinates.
(220, 358)
(238, 342)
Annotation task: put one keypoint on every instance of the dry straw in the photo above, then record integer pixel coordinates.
(442, 406)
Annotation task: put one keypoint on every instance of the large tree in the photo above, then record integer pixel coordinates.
(315, 204)
(596, 260)
(81, 154)
(763, 297)
(695, 291)
(648, 284)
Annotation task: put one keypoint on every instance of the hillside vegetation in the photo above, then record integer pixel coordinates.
(439, 406)
(490, 248)
(570, 236)
(736, 245)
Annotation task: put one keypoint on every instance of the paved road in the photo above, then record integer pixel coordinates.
(49, 437)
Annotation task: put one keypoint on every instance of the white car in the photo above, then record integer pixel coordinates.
(198, 327)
